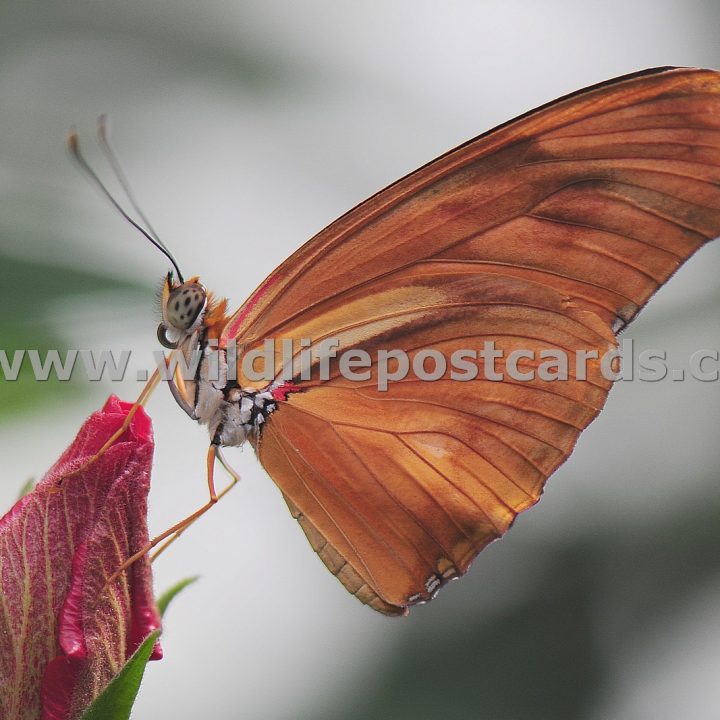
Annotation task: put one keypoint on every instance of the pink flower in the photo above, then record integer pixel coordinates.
(63, 636)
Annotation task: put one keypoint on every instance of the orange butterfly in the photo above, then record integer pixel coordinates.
(550, 231)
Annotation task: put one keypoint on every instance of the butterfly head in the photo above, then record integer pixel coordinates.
(183, 306)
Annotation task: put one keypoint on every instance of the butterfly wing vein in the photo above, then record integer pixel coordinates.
(552, 231)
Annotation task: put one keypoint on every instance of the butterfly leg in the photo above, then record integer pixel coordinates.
(177, 388)
(172, 533)
(234, 479)
(144, 396)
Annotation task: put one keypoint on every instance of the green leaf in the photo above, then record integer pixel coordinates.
(116, 701)
(164, 600)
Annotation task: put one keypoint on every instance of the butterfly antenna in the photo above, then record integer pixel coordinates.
(111, 157)
(74, 147)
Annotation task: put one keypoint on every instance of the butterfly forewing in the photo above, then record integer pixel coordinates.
(549, 232)
(579, 157)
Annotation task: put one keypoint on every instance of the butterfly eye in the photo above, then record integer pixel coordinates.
(184, 304)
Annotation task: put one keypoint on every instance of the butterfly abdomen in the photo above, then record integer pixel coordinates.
(243, 415)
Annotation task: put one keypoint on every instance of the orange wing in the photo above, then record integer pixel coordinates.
(399, 490)
(550, 231)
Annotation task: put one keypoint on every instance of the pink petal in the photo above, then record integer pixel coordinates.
(63, 635)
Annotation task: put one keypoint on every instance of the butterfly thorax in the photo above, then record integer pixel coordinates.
(232, 414)
(191, 327)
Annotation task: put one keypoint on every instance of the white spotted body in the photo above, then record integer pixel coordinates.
(232, 414)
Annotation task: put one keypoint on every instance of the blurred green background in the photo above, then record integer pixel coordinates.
(245, 128)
